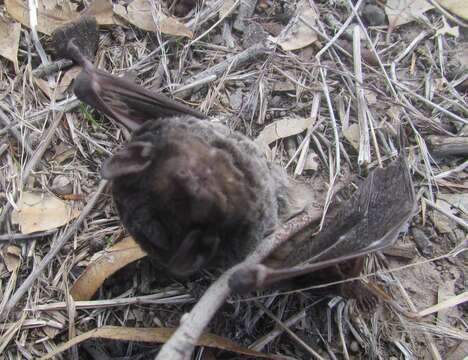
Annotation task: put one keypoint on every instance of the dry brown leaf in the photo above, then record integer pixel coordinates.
(102, 10)
(281, 129)
(9, 41)
(139, 13)
(457, 7)
(401, 12)
(65, 81)
(51, 14)
(299, 35)
(104, 265)
(47, 90)
(155, 335)
(11, 257)
(284, 86)
(41, 211)
(352, 134)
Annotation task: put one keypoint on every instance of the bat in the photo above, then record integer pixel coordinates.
(369, 221)
(191, 191)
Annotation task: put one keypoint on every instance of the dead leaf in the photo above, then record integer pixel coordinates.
(9, 41)
(11, 257)
(457, 7)
(104, 264)
(298, 34)
(47, 90)
(51, 14)
(457, 201)
(281, 129)
(155, 335)
(67, 79)
(284, 86)
(401, 12)
(139, 13)
(102, 10)
(39, 212)
(352, 134)
(451, 203)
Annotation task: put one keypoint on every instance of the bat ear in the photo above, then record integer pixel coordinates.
(133, 158)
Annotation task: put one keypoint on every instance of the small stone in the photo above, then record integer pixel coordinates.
(354, 347)
(373, 15)
(423, 243)
(61, 185)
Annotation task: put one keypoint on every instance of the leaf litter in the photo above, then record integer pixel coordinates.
(405, 94)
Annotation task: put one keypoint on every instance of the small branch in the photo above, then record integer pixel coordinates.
(364, 157)
(8, 127)
(216, 71)
(32, 163)
(28, 282)
(21, 237)
(451, 172)
(192, 325)
(45, 70)
(448, 145)
(166, 297)
(458, 220)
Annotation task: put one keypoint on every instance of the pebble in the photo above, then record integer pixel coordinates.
(374, 15)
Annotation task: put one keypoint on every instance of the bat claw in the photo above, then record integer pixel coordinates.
(248, 279)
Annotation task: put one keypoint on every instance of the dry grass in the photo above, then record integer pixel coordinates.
(415, 80)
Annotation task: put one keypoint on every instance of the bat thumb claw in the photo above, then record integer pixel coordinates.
(76, 55)
(248, 279)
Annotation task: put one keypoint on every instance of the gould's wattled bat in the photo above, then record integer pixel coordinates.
(192, 192)
(188, 190)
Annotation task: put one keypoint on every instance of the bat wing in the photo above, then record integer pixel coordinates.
(122, 100)
(370, 221)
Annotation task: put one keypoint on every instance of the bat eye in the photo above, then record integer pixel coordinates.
(182, 174)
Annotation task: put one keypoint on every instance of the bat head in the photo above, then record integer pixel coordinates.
(134, 158)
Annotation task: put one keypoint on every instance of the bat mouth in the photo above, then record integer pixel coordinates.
(196, 250)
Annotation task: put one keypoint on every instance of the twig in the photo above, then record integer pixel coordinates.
(217, 70)
(455, 19)
(182, 342)
(221, 19)
(343, 28)
(459, 221)
(165, 297)
(28, 282)
(364, 157)
(51, 68)
(32, 163)
(24, 143)
(62, 106)
(260, 344)
(290, 333)
(428, 337)
(20, 237)
(450, 172)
